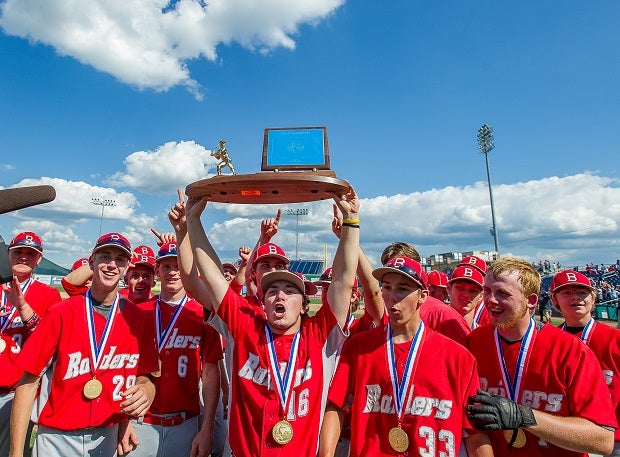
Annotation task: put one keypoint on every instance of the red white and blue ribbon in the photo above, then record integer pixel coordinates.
(6, 320)
(97, 348)
(586, 332)
(284, 385)
(400, 389)
(162, 336)
(477, 315)
(513, 386)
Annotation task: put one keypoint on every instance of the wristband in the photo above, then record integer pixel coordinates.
(348, 224)
(350, 221)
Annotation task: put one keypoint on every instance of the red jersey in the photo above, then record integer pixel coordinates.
(73, 289)
(255, 405)
(562, 377)
(481, 316)
(434, 406)
(40, 297)
(605, 343)
(189, 338)
(60, 351)
(445, 319)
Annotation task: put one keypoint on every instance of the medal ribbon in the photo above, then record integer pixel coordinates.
(514, 386)
(97, 349)
(586, 332)
(400, 389)
(477, 315)
(5, 299)
(283, 385)
(162, 337)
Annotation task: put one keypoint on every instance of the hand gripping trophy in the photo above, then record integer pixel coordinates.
(222, 154)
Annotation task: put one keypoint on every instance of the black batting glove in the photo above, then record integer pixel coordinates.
(493, 412)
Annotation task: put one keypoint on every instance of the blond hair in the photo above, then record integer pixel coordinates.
(529, 278)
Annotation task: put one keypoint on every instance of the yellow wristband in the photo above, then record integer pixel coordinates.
(350, 221)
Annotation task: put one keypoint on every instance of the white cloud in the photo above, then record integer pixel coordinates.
(572, 219)
(147, 43)
(168, 168)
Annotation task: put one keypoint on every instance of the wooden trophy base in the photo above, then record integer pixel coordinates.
(269, 187)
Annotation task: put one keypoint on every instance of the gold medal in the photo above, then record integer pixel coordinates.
(282, 432)
(520, 440)
(398, 439)
(157, 374)
(92, 389)
(2, 345)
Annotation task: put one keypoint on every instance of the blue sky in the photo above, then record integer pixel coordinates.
(120, 100)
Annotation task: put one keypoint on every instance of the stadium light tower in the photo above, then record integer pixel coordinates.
(297, 213)
(485, 144)
(103, 203)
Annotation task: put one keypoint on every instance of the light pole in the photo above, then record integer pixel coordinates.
(485, 144)
(297, 213)
(103, 203)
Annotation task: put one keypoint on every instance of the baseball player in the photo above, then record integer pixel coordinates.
(433, 312)
(266, 256)
(282, 358)
(172, 427)
(465, 289)
(438, 285)
(476, 262)
(22, 303)
(91, 354)
(573, 295)
(543, 393)
(74, 275)
(406, 385)
(140, 276)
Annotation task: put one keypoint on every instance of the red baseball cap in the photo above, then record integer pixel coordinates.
(309, 287)
(326, 279)
(475, 262)
(405, 266)
(143, 255)
(167, 250)
(569, 278)
(467, 273)
(437, 278)
(270, 250)
(113, 239)
(27, 240)
(79, 263)
(282, 275)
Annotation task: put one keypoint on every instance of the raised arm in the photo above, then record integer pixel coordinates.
(268, 229)
(205, 258)
(373, 301)
(188, 270)
(346, 258)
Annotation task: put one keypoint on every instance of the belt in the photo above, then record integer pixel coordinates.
(166, 421)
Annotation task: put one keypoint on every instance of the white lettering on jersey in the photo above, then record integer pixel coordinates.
(416, 405)
(259, 375)
(182, 341)
(543, 401)
(79, 364)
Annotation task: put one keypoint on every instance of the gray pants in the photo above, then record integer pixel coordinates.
(162, 441)
(6, 402)
(87, 442)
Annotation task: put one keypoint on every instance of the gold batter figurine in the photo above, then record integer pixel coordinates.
(222, 154)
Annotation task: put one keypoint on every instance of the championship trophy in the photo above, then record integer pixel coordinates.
(295, 168)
